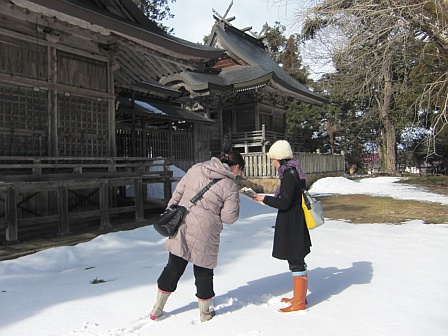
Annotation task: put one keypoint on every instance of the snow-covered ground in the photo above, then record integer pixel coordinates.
(370, 279)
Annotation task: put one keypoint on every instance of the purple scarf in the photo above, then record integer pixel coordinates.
(290, 164)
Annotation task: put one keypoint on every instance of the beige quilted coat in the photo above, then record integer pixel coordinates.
(198, 237)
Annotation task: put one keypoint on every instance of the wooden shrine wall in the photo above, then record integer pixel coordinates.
(51, 102)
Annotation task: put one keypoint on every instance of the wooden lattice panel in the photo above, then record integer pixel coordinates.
(23, 121)
(20, 58)
(158, 143)
(82, 72)
(82, 126)
(183, 146)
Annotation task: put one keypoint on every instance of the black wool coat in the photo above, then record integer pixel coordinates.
(291, 238)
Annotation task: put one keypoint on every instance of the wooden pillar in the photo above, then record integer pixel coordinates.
(144, 138)
(11, 215)
(263, 138)
(52, 98)
(111, 105)
(133, 137)
(171, 140)
(257, 115)
(195, 143)
(64, 225)
(104, 205)
(234, 119)
(221, 129)
(167, 192)
(138, 195)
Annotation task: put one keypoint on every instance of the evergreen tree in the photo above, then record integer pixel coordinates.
(275, 40)
(156, 10)
(292, 61)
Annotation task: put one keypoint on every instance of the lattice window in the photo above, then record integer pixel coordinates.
(23, 121)
(183, 146)
(158, 143)
(82, 126)
(123, 139)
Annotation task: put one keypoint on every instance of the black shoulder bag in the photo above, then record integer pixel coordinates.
(167, 224)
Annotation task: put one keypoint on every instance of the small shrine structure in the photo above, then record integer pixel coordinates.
(245, 91)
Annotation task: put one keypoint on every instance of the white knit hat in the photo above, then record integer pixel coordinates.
(280, 150)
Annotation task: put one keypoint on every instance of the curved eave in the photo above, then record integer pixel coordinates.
(210, 85)
(184, 79)
(153, 88)
(308, 97)
(160, 111)
(106, 25)
(263, 80)
(181, 78)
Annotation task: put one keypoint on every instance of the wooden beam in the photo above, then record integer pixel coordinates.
(45, 85)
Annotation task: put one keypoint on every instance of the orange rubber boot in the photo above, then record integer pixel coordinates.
(288, 300)
(298, 302)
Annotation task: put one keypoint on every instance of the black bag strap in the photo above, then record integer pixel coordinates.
(307, 201)
(203, 190)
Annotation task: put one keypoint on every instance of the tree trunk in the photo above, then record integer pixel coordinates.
(388, 125)
(331, 133)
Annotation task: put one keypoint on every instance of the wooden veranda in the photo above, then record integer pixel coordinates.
(45, 194)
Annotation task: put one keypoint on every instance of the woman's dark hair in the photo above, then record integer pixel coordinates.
(283, 161)
(233, 158)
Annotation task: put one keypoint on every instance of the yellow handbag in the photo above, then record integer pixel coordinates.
(313, 211)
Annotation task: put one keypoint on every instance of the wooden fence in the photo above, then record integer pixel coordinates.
(258, 165)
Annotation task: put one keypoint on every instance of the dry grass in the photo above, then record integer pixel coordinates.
(371, 209)
(434, 183)
(361, 209)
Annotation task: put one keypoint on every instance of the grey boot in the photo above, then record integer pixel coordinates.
(206, 312)
(157, 310)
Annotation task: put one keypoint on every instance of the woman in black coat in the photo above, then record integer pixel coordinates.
(291, 238)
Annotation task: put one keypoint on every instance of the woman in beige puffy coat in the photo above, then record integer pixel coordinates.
(197, 240)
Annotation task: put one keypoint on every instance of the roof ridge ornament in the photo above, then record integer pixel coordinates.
(224, 17)
(228, 9)
(261, 35)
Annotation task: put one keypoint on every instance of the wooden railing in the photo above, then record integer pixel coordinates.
(37, 192)
(20, 165)
(259, 139)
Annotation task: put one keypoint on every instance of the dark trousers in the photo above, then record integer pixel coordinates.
(297, 265)
(175, 268)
